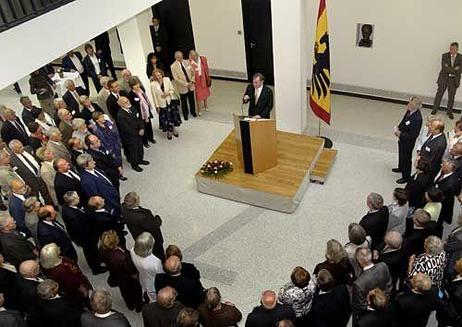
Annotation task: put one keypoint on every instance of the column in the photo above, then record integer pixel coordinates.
(136, 43)
(290, 64)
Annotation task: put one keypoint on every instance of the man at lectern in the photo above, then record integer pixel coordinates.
(259, 97)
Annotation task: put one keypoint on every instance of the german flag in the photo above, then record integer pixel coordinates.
(320, 81)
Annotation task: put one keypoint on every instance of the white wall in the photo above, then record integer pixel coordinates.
(215, 26)
(45, 38)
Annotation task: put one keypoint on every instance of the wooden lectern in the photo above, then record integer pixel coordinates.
(256, 143)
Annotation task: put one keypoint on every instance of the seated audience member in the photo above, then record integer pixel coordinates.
(66, 180)
(416, 232)
(12, 128)
(76, 148)
(36, 137)
(66, 273)
(270, 312)
(164, 311)
(32, 206)
(103, 220)
(102, 314)
(431, 263)
(139, 220)
(26, 282)
(65, 124)
(378, 313)
(10, 317)
(298, 293)
(398, 211)
(337, 263)
(187, 269)
(215, 313)
(453, 247)
(79, 226)
(450, 313)
(72, 97)
(434, 196)
(418, 184)
(103, 159)
(95, 183)
(413, 307)
(187, 317)
(16, 205)
(104, 93)
(357, 239)
(89, 108)
(449, 184)
(392, 253)
(29, 111)
(435, 146)
(56, 145)
(47, 171)
(375, 222)
(15, 247)
(80, 130)
(373, 276)
(147, 264)
(51, 231)
(122, 272)
(190, 291)
(53, 309)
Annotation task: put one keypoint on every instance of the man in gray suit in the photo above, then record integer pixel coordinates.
(372, 276)
(449, 78)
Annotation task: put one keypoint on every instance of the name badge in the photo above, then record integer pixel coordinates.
(407, 123)
(427, 149)
(137, 99)
(73, 112)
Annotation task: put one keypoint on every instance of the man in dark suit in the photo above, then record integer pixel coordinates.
(190, 291)
(111, 102)
(375, 222)
(416, 232)
(66, 180)
(16, 205)
(448, 78)
(79, 226)
(26, 282)
(164, 311)
(14, 245)
(73, 61)
(456, 153)
(159, 41)
(448, 182)
(88, 109)
(104, 219)
(131, 129)
(13, 129)
(29, 111)
(187, 269)
(372, 276)
(379, 313)
(10, 318)
(407, 132)
(95, 67)
(103, 48)
(435, 146)
(453, 248)
(259, 97)
(96, 183)
(76, 149)
(270, 312)
(51, 231)
(104, 161)
(140, 220)
(72, 97)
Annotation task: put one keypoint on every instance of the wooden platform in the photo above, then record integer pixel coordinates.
(323, 165)
(280, 188)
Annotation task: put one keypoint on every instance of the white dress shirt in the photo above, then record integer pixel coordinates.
(257, 93)
(95, 62)
(77, 64)
(148, 268)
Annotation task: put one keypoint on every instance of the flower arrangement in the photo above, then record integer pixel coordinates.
(216, 168)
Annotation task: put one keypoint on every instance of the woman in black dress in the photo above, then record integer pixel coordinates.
(153, 64)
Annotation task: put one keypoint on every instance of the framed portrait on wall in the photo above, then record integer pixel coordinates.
(365, 35)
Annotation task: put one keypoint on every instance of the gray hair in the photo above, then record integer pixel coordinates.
(4, 217)
(101, 301)
(53, 131)
(393, 239)
(29, 203)
(14, 143)
(452, 162)
(83, 98)
(418, 101)
(375, 200)
(104, 80)
(68, 83)
(433, 245)
(50, 256)
(144, 244)
(78, 123)
(131, 200)
(83, 160)
(363, 256)
(70, 197)
(421, 217)
(47, 289)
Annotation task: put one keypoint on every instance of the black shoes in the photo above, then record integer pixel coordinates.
(123, 178)
(434, 111)
(402, 181)
(396, 170)
(450, 115)
(194, 115)
(3, 207)
(185, 117)
(100, 270)
(137, 168)
(146, 145)
(176, 134)
(144, 162)
(153, 141)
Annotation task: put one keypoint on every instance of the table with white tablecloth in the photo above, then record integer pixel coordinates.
(60, 81)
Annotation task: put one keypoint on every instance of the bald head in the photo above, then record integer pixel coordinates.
(166, 297)
(29, 269)
(268, 300)
(173, 265)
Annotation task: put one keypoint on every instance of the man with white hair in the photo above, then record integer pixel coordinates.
(55, 144)
(104, 93)
(29, 111)
(393, 254)
(13, 128)
(26, 282)
(102, 314)
(124, 82)
(184, 80)
(71, 97)
(65, 124)
(88, 109)
(375, 222)
(270, 312)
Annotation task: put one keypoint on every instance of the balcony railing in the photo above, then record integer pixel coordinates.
(15, 12)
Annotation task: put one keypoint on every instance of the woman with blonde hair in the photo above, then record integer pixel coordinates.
(337, 264)
(80, 130)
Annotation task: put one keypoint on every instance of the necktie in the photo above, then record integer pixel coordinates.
(184, 72)
(257, 96)
(31, 165)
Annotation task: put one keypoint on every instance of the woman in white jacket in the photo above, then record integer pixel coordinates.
(163, 93)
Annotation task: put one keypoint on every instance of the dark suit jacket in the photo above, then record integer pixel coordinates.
(10, 132)
(190, 291)
(64, 184)
(104, 221)
(260, 317)
(453, 248)
(141, 220)
(15, 248)
(105, 162)
(74, 155)
(111, 103)
(376, 224)
(155, 315)
(396, 262)
(414, 309)
(265, 101)
(414, 238)
(416, 188)
(87, 115)
(36, 183)
(447, 69)
(159, 39)
(450, 187)
(382, 318)
(67, 63)
(129, 127)
(117, 319)
(29, 116)
(433, 150)
(47, 234)
(190, 271)
(55, 313)
(410, 127)
(93, 185)
(78, 225)
(90, 68)
(331, 309)
(11, 318)
(18, 212)
(102, 42)
(28, 292)
(72, 104)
